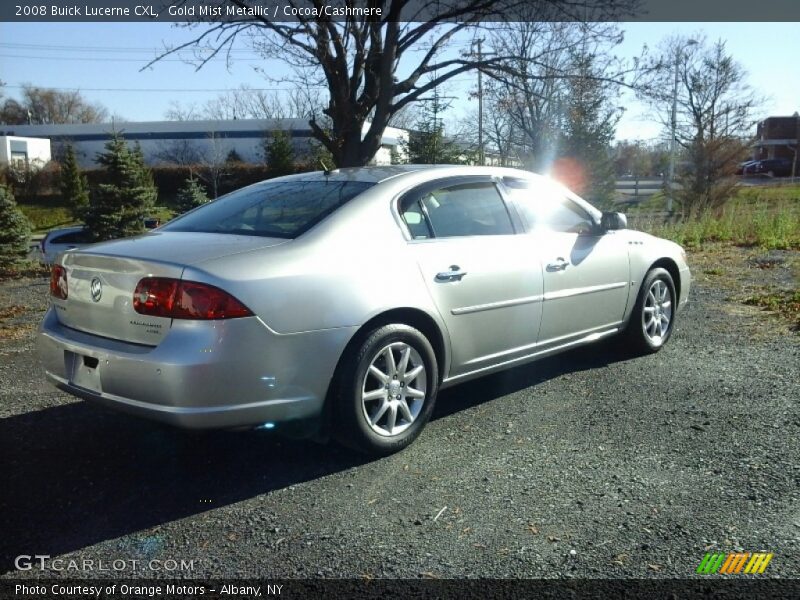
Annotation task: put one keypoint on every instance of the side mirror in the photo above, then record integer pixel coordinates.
(613, 220)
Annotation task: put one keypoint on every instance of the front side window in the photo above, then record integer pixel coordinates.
(458, 210)
(547, 208)
(284, 209)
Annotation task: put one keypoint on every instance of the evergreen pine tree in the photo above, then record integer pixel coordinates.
(145, 175)
(118, 207)
(15, 230)
(590, 122)
(233, 157)
(428, 145)
(74, 187)
(279, 153)
(190, 196)
(396, 156)
(319, 157)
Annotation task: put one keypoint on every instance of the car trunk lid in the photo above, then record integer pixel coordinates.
(101, 280)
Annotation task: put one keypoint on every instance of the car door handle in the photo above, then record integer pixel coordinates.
(454, 274)
(559, 265)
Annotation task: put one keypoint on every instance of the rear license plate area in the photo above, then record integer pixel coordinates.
(84, 371)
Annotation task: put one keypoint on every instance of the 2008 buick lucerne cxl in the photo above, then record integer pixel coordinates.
(348, 298)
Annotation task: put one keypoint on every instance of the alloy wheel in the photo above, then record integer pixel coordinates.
(657, 312)
(394, 389)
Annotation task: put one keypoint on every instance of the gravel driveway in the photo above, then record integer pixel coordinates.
(587, 464)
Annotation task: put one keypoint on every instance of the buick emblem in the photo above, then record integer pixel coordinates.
(96, 289)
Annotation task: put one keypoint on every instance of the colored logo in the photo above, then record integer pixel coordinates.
(734, 563)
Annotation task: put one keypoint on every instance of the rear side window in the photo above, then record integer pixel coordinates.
(283, 209)
(458, 210)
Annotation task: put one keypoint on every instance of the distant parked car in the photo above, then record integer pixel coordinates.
(60, 240)
(772, 167)
(67, 238)
(743, 165)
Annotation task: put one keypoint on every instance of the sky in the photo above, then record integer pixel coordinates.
(105, 60)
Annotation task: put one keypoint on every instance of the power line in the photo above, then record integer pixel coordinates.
(123, 49)
(137, 60)
(170, 90)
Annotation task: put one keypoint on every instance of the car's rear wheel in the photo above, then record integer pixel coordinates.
(386, 391)
(653, 317)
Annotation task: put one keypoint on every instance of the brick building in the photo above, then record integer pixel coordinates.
(777, 137)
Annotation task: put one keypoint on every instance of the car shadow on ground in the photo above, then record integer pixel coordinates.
(76, 474)
(503, 383)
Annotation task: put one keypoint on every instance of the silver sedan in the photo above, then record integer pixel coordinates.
(339, 303)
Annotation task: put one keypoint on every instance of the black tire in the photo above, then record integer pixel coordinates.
(635, 337)
(349, 419)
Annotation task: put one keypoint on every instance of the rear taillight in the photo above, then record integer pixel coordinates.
(58, 282)
(177, 299)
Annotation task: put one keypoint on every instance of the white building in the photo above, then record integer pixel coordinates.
(32, 152)
(189, 141)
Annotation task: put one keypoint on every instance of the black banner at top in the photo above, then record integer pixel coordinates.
(398, 10)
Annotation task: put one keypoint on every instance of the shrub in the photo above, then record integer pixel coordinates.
(15, 231)
(118, 208)
(279, 153)
(190, 196)
(74, 187)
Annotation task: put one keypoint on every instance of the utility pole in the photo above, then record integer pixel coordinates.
(480, 56)
(481, 157)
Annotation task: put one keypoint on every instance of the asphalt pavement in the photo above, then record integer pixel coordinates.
(588, 464)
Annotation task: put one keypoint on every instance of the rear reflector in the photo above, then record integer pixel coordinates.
(177, 299)
(58, 282)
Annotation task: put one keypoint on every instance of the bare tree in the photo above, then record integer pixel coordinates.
(182, 112)
(50, 106)
(179, 152)
(406, 117)
(13, 113)
(714, 116)
(532, 103)
(214, 166)
(359, 59)
(640, 159)
(245, 103)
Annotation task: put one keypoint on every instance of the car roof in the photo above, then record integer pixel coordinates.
(379, 174)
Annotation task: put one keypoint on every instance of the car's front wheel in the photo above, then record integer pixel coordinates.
(386, 391)
(653, 317)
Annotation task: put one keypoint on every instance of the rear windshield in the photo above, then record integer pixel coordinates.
(282, 209)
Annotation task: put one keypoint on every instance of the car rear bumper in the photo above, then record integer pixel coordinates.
(204, 374)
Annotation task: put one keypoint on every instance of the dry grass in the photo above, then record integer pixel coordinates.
(754, 279)
(784, 302)
(767, 218)
(11, 311)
